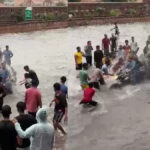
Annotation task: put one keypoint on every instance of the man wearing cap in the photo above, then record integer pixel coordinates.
(7, 131)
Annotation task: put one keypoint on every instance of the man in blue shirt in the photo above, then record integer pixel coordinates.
(64, 88)
(8, 55)
(4, 73)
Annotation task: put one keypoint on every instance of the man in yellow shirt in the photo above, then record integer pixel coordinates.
(78, 58)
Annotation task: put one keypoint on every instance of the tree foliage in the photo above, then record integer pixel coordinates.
(2, 1)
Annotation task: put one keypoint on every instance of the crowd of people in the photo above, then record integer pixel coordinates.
(30, 129)
(111, 59)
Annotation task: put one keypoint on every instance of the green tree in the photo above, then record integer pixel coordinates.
(2, 1)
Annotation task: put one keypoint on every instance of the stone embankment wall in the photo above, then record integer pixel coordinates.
(91, 10)
(12, 18)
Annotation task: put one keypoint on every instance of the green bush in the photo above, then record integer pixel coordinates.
(132, 11)
(62, 17)
(2, 1)
(48, 16)
(88, 15)
(115, 13)
(60, 4)
(100, 10)
(19, 18)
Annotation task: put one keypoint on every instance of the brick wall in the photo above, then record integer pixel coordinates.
(79, 10)
(10, 13)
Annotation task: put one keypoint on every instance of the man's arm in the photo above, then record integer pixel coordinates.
(24, 134)
(75, 57)
(39, 100)
(11, 54)
(102, 45)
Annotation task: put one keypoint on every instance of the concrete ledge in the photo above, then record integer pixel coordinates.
(101, 21)
(37, 26)
(31, 26)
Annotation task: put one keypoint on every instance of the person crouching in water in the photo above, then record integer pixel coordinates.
(83, 75)
(106, 65)
(96, 78)
(88, 95)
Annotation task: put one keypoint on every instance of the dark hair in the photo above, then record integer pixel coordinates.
(85, 65)
(63, 79)
(6, 111)
(26, 67)
(126, 41)
(34, 83)
(78, 48)
(56, 86)
(90, 84)
(21, 106)
(7, 46)
(98, 47)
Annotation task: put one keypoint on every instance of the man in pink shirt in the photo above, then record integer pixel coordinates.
(106, 44)
(88, 95)
(33, 99)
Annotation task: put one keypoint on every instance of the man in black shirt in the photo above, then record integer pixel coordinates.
(2, 93)
(98, 56)
(25, 120)
(61, 108)
(113, 41)
(32, 75)
(7, 131)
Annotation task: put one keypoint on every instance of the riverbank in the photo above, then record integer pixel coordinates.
(42, 25)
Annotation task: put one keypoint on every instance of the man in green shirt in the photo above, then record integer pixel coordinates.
(84, 76)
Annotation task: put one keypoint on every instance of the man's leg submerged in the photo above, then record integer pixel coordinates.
(58, 126)
(93, 103)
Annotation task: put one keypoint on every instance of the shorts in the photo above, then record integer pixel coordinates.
(84, 86)
(79, 67)
(96, 85)
(58, 116)
(93, 103)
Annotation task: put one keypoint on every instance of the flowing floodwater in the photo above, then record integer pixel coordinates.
(121, 122)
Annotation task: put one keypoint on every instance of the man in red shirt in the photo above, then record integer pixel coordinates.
(88, 95)
(33, 99)
(105, 44)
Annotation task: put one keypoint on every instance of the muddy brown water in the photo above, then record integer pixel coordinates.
(122, 120)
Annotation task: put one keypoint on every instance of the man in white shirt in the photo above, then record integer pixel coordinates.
(134, 45)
